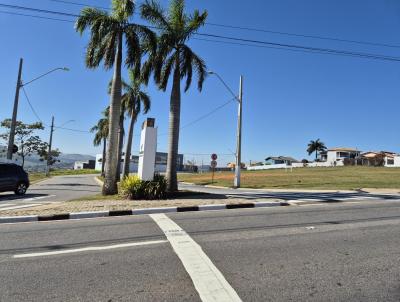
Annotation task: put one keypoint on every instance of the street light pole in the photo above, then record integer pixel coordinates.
(238, 167)
(49, 151)
(15, 112)
(16, 101)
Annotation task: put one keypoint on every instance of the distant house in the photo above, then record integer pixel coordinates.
(80, 165)
(280, 160)
(381, 158)
(336, 156)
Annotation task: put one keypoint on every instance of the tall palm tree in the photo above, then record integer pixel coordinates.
(108, 33)
(101, 134)
(175, 59)
(132, 100)
(316, 146)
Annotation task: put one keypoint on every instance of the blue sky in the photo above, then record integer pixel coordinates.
(289, 97)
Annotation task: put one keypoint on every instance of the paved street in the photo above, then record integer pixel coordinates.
(334, 252)
(294, 196)
(55, 189)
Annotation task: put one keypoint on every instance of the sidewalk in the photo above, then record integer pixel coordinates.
(123, 205)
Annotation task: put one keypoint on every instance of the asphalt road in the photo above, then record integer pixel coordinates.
(55, 189)
(294, 196)
(335, 252)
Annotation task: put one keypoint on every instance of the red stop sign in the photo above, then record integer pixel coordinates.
(214, 156)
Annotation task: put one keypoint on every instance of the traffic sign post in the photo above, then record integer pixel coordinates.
(214, 163)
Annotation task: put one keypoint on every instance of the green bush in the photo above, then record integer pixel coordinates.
(133, 188)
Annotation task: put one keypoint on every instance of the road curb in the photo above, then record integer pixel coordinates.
(98, 181)
(136, 212)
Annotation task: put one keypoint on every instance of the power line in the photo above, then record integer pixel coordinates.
(73, 130)
(283, 46)
(79, 4)
(208, 114)
(308, 48)
(200, 39)
(264, 46)
(34, 16)
(45, 11)
(38, 117)
(203, 116)
(304, 36)
(262, 30)
(30, 105)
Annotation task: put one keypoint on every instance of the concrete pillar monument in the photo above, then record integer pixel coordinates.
(148, 149)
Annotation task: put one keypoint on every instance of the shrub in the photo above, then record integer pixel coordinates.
(133, 188)
(156, 189)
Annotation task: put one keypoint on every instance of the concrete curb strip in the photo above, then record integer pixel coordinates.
(83, 215)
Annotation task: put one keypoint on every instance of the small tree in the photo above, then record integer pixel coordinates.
(54, 154)
(26, 142)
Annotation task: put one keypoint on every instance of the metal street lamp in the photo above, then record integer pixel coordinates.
(239, 99)
(16, 100)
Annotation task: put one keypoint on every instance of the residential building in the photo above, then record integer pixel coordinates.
(335, 156)
(80, 165)
(385, 158)
(280, 160)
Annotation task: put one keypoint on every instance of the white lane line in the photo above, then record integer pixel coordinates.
(6, 205)
(20, 207)
(89, 249)
(207, 279)
(37, 198)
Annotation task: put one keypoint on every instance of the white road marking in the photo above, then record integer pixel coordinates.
(37, 198)
(89, 249)
(6, 205)
(207, 279)
(20, 207)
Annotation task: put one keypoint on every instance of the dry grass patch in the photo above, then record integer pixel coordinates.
(338, 178)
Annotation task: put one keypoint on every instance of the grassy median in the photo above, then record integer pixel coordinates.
(338, 178)
(36, 176)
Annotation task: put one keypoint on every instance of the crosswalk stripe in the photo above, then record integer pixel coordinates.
(207, 279)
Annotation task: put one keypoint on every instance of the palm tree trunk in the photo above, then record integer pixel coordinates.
(316, 154)
(110, 181)
(174, 123)
(128, 149)
(120, 146)
(104, 156)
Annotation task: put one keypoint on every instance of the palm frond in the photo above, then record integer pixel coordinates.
(122, 10)
(167, 70)
(88, 17)
(154, 13)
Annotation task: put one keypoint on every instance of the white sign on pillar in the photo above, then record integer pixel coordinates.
(148, 149)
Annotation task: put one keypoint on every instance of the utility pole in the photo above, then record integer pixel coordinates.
(15, 112)
(238, 166)
(49, 151)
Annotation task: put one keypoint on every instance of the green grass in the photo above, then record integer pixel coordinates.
(73, 172)
(342, 178)
(35, 177)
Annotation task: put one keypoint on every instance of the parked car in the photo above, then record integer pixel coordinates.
(13, 178)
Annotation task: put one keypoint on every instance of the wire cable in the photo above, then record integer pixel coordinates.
(261, 30)
(328, 51)
(30, 105)
(203, 116)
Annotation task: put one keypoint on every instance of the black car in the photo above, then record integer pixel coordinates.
(13, 178)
